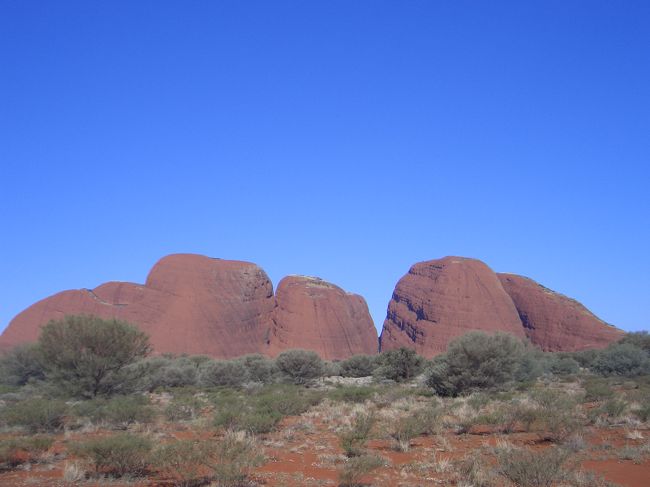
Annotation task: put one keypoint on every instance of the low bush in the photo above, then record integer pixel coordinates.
(36, 415)
(561, 365)
(557, 417)
(117, 455)
(356, 468)
(404, 429)
(518, 414)
(354, 394)
(597, 390)
(611, 409)
(227, 462)
(526, 468)
(259, 368)
(261, 411)
(165, 372)
(229, 373)
(354, 438)
(21, 365)
(476, 361)
(624, 360)
(299, 366)
(183, 408)
(358, 366)
(399, 365)
(17, 451)
(118, 412)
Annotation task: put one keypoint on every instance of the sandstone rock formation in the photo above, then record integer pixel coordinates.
(198, 305)
(189, 304)
(442, 299)
(315, 315)
(555, 322)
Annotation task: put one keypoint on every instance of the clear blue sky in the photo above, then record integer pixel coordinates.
(344, 139)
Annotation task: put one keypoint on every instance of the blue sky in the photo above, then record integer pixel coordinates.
(342, 139)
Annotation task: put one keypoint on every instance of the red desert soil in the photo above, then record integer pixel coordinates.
(304, 451)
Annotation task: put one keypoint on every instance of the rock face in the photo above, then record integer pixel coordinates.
(198, 305)
(313, 314)
(555, 322)
(439, 300)
(189, 304)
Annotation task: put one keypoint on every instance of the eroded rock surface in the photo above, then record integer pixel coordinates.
(313, 314)
(555, 322)
(439, 300)
(189, 304)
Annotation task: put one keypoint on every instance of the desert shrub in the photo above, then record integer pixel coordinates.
(476, 361)
(229, 373)
(399, 365)
(597, 390)
(518, 414)
(258, 368)
(117, 455)
(165, 372)
(355, 394)
(82, 354)
(404, 429)
(227, 462)
(356, 468)
(299, 366)
(561, 365)
(358, 366)
(36, 415)
(183, 408)
(260, 412)
(22, 364)
(557, 416)
(622, 360)
(639, 339)
(118, 411)
(611, 409)
(476, 471)
(585, 358)
(643, 412)
(526, 468)
(354, 438)
(16, 451)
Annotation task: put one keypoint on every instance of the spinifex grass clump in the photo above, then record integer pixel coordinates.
(354, 438)
(116, 455)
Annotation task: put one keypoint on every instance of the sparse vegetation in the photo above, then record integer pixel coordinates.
(193, 421)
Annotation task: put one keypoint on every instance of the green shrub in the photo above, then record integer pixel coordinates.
(260, 412)
(36, 415)
(355, 394)
(228, 462)
(356, 468)
(228, 373)
(300, 366)
(354, 438)
(21, 365)
(639, 339)
(562, 365)
(183, 408)
(165, 372)
(610, 409)
(557, 415)
(121, 411)
(643, 412)
(117, 455)
(83, 354)
(404, 429)
(16, 451)
(358, 366)
(527, 468)
(476, 361)
(399, 365)
(597, 390)
(518, 414)
(622, 360)
(259, 368)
